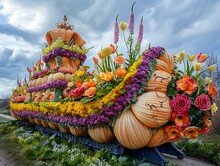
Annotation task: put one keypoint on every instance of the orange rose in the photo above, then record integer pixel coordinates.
(87, 85)
(121, 72)
(95, 60)
(108, 76)
(90, 92)
(186, 84)
(78, 83)
(119, 60)
(212, 91)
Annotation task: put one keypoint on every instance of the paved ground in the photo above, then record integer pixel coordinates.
(6, 159)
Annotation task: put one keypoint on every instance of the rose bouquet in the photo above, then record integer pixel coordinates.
(192, 98)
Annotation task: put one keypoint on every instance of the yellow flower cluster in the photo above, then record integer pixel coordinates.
(77, 108)
(60, 44)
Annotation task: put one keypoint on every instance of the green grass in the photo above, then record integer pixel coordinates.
(29, 147)
(206, 147)
(5, 111)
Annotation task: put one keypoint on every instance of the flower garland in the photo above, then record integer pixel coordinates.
(111, 105)
(59, 43)
(52, 84)
(64, 53)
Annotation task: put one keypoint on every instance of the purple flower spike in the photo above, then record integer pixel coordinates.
(131, 20)
(116, 30)
(140, 33)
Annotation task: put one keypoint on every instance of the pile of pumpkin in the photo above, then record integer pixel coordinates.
(134, 127)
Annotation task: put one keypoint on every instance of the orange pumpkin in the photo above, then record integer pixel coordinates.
(68, 77)
(43, 97)
(130, 132)
(66, 35)
(78, 131)
(50, 95)
(63, 129)
(37, 121)
(169, 60)
(159, 81)
(39, 81)
(66, 92)
(34, 83)
(50, 78)
(152, 109)
(101, 134)
(53, 125)
(161, 65)
(44, 123)
(59, 76)
(37, 96)
(31, 120)
(158, 138)
(30, 84)
(45, 79)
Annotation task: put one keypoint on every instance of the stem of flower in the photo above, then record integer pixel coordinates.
(125, 40)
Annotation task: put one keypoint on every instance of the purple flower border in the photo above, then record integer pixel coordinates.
(64, 53)
(137, 86)
(52, 84)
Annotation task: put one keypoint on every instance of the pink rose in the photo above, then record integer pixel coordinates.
(77, 92)
(180, 103)
(204, 130)
(203, 102)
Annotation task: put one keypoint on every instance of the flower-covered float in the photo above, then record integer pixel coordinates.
(141, 99)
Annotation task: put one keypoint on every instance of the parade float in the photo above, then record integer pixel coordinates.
(141, 100)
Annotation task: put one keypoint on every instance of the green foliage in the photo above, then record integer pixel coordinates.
(33, 148)
(206, 149)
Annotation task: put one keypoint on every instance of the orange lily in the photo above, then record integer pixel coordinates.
(119, 60)
(100, 55)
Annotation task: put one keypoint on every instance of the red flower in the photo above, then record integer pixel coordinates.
(212, 91)
(203, 102)
(186, 84)
(113, 48)
(181, 120)
(202, 57)
(77, 92)
(180, 103)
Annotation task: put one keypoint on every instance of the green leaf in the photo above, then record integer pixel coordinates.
(47, 155)
(110, 104)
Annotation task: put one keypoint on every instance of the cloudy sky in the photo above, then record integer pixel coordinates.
(191, 25)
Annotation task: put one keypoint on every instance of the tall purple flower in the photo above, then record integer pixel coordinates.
(116, 30)
(131, 20)
(140, 32)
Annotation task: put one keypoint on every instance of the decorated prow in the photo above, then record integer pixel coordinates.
(139, 98)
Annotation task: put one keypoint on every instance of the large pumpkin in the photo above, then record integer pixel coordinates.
(152, 109)
(101, 134)
(59, 76)
(158, 138)
(45, 79)
(161, 65)
(130, 132)
(169, 60)
(66, 35)
(159, 81)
